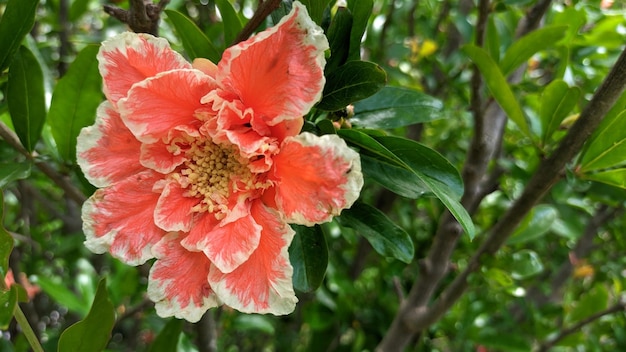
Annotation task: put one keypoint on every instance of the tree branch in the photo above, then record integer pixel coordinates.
(265, 9)
(143, 16)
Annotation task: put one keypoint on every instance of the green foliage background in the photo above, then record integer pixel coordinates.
(563, 264)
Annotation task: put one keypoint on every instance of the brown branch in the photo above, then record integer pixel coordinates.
(576, 327)
(143, 16)
(265, 9)
(72, 192)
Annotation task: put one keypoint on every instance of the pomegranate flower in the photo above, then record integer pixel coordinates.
(202, 166)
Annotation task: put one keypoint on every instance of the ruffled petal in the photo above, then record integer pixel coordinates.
(107, 152)
(129, 58)
(120, 219)
(262, 284)
(178, 281)
(315, 178)
(174, 210)
(279, 72)
(166, 101)
(166, 154)
(227, 243)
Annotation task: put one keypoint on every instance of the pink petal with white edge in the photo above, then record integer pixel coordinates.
(315, 178)
(166, 101)
(129, 58)
(173, 210)
(262, 284)
(120, 219)
(278, 72)
(166, 154)
(107, 152)
(228, 243)
(178, 281)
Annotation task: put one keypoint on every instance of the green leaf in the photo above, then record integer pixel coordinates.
(78, 9)
(615, 177)
(93, 332)
(26, 97)
(498, 278)
(607, 146)
(74, 101)
(498, 86)
(167, 339)
(395, 107)
(63, 295)
(387, 238)
(557, 100)
(10, 172)
(339, 39)
(492, 41)
(194, 41)
(525, 264)
(6, 244)
(230, 19)
(524, 48)
(361, 11)
(8, 304)
(592, 301)
(249, 322)
(316, 9)
(308, 255)
(536, 224)
(16, 22)
(353, 81)
(394, 178)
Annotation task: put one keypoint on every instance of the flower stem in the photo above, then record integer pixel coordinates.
(27, 329)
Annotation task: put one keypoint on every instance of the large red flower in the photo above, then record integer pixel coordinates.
(202, 166)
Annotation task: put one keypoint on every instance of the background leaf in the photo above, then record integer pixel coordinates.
(387, 238)
(194, 41)
(524, 48)
(395, 107)
(361, 11)
(167, 339)
(607, 146)
(16, 22)
(93, 332)
(74, 101)
(316, 9)
(536, 224)
(308, 255)
(230, 20)
(10, 172)
(557, 100)
(353, 81)
(26, 97)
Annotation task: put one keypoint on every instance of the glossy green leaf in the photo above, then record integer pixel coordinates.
(308, 255)
(230, 19)
(394, 178)
(74, 101)
(557, 100)
(395, 107)
(339, 39)
(167, 339)
(387, 238)
(535, 225)
(607, 146)
(194, 41)
(6, 244)
(361, 11)
(316, 9)
(26, 97)
(525, 264)
(93, 332)
(16, 22)
(354, 81)
(615, 177)
(8, 304)
(498, 86)
(524, 48)
(10, 172)
(590, 302)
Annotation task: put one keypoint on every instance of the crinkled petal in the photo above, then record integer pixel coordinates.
(107, 152)
(315, 178)
(174, 210)
(166, 101)
(226, 244)
(178, 281)
(120, 219)
(262, 284)
(279, 72)
(129, 58)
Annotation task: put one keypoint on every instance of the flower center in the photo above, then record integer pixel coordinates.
(212, 172)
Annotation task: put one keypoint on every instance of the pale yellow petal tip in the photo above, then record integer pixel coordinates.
(205, 66)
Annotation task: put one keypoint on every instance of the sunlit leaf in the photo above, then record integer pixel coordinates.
(524, 48)
(387, 238)
(194, 41)
(308, 255)
(93, 332)
(74, 101)
(353, 81)
(26, 97)
(395, 107)
(614, 177)
(17, 20)
(590, 302)
(607, 146)
(498, 86)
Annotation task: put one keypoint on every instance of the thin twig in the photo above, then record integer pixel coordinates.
(265, 9)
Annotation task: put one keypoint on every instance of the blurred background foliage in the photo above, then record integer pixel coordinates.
(564, 263)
